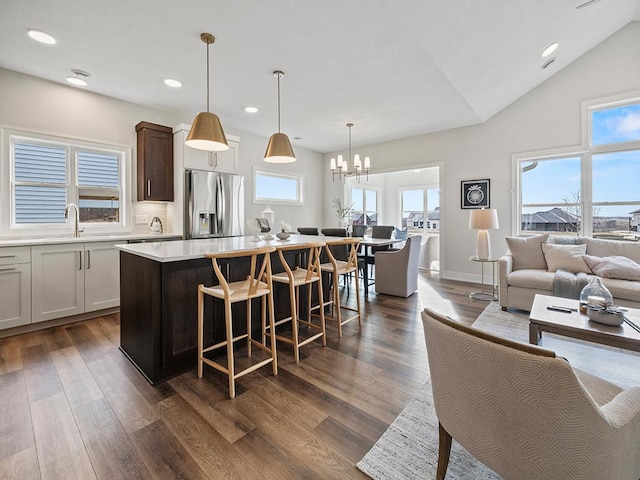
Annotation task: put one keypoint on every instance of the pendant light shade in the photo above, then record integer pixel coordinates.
(206, 130)
(279, 148)
(207, 134)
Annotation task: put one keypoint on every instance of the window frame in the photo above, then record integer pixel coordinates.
(585, 152)
(300, 179)
(359, 186)
(8, 225)
(426, 227)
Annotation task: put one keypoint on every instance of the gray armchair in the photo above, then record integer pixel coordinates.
(397, 271)
(524, 412)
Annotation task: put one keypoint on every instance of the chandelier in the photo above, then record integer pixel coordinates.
(341, 166)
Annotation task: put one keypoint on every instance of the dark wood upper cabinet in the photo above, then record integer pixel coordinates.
(155, 162)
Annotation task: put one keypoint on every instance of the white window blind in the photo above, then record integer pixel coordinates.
(40, 183)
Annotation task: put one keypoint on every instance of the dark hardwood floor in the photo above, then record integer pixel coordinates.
(73, 407)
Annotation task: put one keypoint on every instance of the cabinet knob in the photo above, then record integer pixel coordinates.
(148, 188)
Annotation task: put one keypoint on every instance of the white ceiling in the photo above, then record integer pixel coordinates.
(394, 68)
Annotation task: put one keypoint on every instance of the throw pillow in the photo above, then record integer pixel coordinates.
(613, 267)
(526, 252)
(565, 257)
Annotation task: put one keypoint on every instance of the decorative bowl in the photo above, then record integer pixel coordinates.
(283, 235)
(606, 316)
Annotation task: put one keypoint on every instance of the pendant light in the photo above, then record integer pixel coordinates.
(279, 148)
(206, 131)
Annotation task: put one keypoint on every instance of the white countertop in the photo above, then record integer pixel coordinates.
(19, 242)
(175, 251)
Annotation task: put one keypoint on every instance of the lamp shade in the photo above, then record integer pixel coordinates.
(483, 219)
(207, 134)
(279, 149)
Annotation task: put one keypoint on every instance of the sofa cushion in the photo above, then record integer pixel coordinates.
(604, 248)
(623, 289)
(565, 257)
(613, 267)
(526, 252)
(565, 240)
(531, 278)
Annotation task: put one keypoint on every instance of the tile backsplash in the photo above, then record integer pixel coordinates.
(150, 210)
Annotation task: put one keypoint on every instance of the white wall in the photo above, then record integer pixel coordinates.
(36, 105)
(547, 117)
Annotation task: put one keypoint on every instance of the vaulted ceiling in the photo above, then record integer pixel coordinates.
(393, 68)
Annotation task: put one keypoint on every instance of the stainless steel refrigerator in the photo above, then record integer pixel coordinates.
(214, 204)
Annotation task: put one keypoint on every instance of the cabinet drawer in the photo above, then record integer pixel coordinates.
(11, 255)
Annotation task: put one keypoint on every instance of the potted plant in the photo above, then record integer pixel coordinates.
(342, 210)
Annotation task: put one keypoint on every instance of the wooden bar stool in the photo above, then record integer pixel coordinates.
(258, 284)
(295, 278)
(341, 267)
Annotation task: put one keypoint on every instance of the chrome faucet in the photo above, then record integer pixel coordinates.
(76, 230)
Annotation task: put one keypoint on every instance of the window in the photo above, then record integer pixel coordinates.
(420, 209)
(365, 206)
(277, 187)
(46, 175)
(592, 192)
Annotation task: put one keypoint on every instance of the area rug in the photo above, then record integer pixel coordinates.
(408, 450)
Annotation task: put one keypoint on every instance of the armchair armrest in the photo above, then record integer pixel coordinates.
(505, 267)
(624, 408)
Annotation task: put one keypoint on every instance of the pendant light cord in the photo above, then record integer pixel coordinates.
(278, 75)
(207, 77)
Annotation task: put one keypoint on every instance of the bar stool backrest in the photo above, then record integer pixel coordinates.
(313, 259)
(335, 248)
(253, 279)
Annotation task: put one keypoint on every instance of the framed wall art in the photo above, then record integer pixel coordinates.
(475, 193)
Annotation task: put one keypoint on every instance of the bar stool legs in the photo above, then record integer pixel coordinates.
(294, 278)
(336, 268)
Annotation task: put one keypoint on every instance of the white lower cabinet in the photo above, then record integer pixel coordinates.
(101, 276)
(15, 286)
(68, 279)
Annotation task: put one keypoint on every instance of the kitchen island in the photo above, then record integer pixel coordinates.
(158, 299)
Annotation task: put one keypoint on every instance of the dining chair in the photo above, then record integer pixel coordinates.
(379, 231)
(308, 230)
(397, 270)
(334, 232)
(359, 230)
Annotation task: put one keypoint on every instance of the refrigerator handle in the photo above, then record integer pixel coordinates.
(220, 205)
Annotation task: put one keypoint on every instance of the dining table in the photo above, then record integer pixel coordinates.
(367, 243)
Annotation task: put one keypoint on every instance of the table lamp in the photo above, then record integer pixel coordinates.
(483, 220)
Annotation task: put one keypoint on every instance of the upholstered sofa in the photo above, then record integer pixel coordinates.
(531, 265)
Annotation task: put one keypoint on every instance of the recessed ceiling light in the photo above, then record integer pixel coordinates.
(78, 77)
(170, 82)
(40, 36)
(251, 109)
(550, 49)
(548, 62)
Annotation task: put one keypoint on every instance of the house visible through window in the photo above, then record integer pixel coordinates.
(592, 192)
(365, 206)
(420, 209)
(46, 176)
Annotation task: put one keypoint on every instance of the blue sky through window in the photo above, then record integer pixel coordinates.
(615, 175)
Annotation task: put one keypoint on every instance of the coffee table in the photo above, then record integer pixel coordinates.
(577, 325)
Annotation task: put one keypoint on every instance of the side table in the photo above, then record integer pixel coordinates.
(482, 295)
